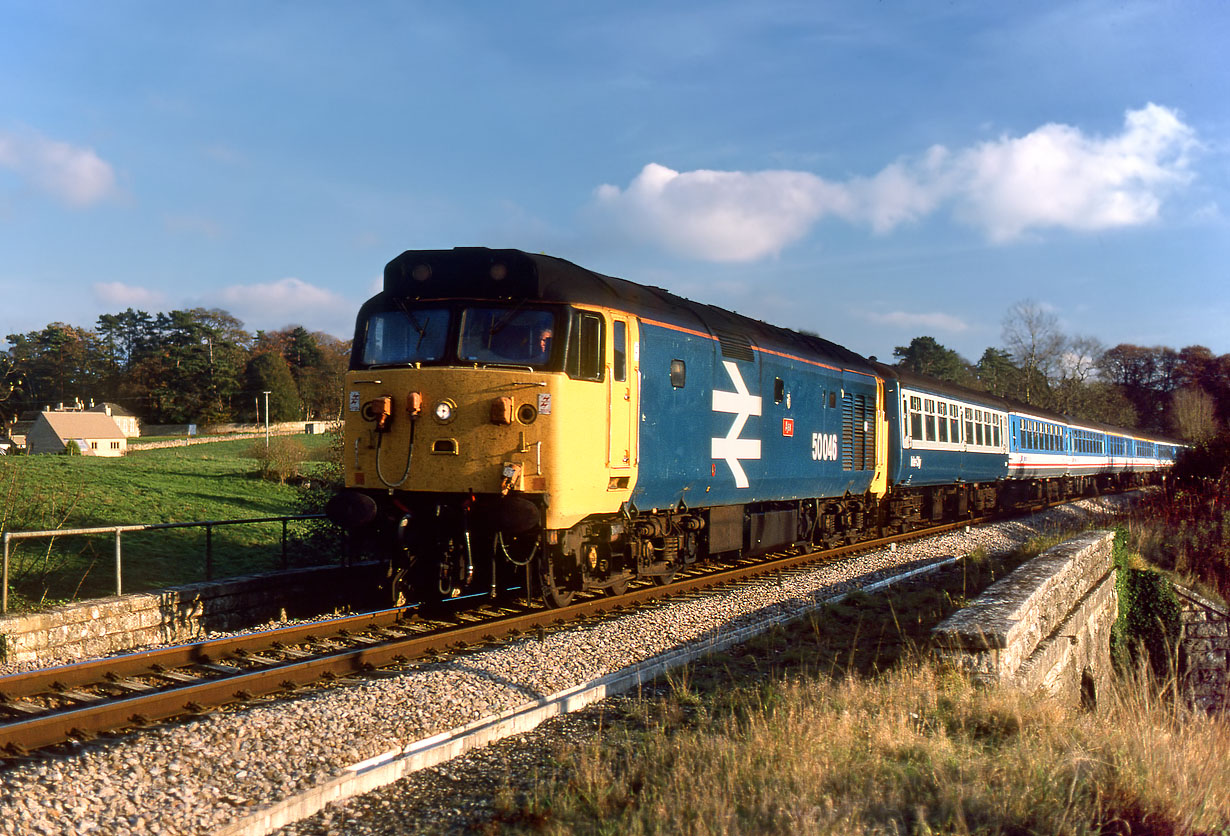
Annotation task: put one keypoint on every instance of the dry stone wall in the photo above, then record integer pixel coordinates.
(186, 613)
(1205, 648)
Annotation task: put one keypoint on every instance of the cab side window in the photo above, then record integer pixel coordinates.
(585, 347)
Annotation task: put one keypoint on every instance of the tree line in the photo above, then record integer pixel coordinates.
(1184, 392)
(202, 366)
(186, 366)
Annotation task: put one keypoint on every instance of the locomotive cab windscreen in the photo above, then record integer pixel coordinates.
(481, 334)
(486, 334)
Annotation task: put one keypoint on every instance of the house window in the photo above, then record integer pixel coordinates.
(93, 445)
(115, 445)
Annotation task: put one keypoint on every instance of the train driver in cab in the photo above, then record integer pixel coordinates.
(540, 349)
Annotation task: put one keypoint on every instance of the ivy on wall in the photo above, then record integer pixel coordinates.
(1149, 617)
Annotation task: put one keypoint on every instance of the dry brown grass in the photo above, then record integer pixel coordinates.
(843, 725)
(914, 751)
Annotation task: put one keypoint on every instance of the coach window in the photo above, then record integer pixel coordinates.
(978, 427)
(943, 419)
(929, 407)
(779, 390)
(620, 339)
(679, 373)
(954, 423)
(999, 439)
(916, 431)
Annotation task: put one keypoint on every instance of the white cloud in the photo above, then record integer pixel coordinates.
(940, 322)
(1053, 177)
(75, 176)
(120, 295)
(720, 215)
(288, 301)
(1058, 177)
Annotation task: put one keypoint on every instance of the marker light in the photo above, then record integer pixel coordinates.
(444, 411)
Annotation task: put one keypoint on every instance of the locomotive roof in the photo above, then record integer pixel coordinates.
(470, 272)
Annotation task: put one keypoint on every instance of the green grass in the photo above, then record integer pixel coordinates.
(215, 481)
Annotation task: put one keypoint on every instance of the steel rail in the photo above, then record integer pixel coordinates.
(147, 662)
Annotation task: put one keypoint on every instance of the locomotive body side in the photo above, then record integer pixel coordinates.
(726, 422)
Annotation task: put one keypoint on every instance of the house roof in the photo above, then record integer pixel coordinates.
(116, 409)
(82, 425)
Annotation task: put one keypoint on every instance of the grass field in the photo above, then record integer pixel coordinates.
(215, 481)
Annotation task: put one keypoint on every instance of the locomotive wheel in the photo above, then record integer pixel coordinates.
(618, 588)
(553, 594)
(558, 590)
(663, 580)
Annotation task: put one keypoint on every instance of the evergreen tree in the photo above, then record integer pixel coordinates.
(996, 373)
(926, 356)
(269, 372)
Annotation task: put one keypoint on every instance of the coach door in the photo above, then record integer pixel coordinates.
(622, 383)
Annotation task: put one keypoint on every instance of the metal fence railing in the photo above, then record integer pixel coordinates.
(119, 530)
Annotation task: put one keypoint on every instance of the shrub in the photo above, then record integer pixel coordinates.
(1208, 461)
(279, 460)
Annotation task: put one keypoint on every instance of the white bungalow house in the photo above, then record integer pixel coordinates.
(95, 433)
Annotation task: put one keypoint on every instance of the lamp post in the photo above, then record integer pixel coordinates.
(267, 419)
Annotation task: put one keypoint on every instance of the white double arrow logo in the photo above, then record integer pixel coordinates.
(742, 404)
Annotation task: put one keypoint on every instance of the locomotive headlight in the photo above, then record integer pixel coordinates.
(444, 411)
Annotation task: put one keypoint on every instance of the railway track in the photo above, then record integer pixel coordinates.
(44, 708)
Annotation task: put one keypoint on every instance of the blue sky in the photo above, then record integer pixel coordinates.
(871, 171)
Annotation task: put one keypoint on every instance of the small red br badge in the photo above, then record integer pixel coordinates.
(788, 427)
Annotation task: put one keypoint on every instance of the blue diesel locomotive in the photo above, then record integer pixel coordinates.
(514, 418)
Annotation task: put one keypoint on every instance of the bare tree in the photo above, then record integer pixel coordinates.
(1194, 414)
(1031, 334)
(1077, 369)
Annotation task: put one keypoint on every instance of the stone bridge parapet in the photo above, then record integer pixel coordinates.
(1045, 627)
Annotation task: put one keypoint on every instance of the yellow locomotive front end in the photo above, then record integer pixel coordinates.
(480, 429)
